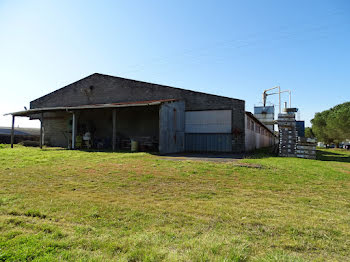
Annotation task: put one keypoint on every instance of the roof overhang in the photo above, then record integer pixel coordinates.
(82, 107)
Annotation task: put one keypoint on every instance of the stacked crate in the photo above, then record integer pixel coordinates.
(306, 148)
(292, 145)
(287, 134)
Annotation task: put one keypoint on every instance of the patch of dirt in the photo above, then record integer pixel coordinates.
(204, 157)
(343, 170)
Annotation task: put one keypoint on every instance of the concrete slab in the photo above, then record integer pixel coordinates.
(204, 157)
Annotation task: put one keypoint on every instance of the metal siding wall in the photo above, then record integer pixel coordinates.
(209, 121)
(208, 142)
(266, 115)
(264, 110)
(208, 131)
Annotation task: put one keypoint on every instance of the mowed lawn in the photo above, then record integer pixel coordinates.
(58, 205)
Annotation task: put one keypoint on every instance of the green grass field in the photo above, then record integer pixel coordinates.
(58, 205)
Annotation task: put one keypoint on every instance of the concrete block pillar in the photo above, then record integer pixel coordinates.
(74, 124)
(41, 130)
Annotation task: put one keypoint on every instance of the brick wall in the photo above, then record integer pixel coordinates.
(56, 129)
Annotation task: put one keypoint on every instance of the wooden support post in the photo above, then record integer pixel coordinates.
(13, 131)
(73, 130)
(114, 134)
(41, 131)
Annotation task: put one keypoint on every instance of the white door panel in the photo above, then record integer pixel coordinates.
(211, 121)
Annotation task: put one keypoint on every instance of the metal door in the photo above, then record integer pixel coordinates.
(172, 127)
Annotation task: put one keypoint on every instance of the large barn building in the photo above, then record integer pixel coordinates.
(102, 111)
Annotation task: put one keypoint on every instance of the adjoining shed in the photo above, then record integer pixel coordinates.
(257, 135)
(113, 125)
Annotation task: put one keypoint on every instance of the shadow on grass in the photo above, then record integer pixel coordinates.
(94, 150)
(53, 148)
(322, 155)
(257, 154)
(333, 156)
(262, 153)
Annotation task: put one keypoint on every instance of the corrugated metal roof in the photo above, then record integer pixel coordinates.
(95, 106)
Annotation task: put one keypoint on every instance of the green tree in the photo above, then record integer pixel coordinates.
(339, 121)
(332, 125)
(309, 133)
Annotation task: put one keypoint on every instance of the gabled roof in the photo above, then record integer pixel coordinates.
(131, 80)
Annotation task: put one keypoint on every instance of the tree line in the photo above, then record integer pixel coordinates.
(332, 125)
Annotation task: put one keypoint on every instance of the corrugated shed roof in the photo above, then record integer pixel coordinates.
(95, 106)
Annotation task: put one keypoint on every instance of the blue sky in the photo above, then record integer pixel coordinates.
(230, 48)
